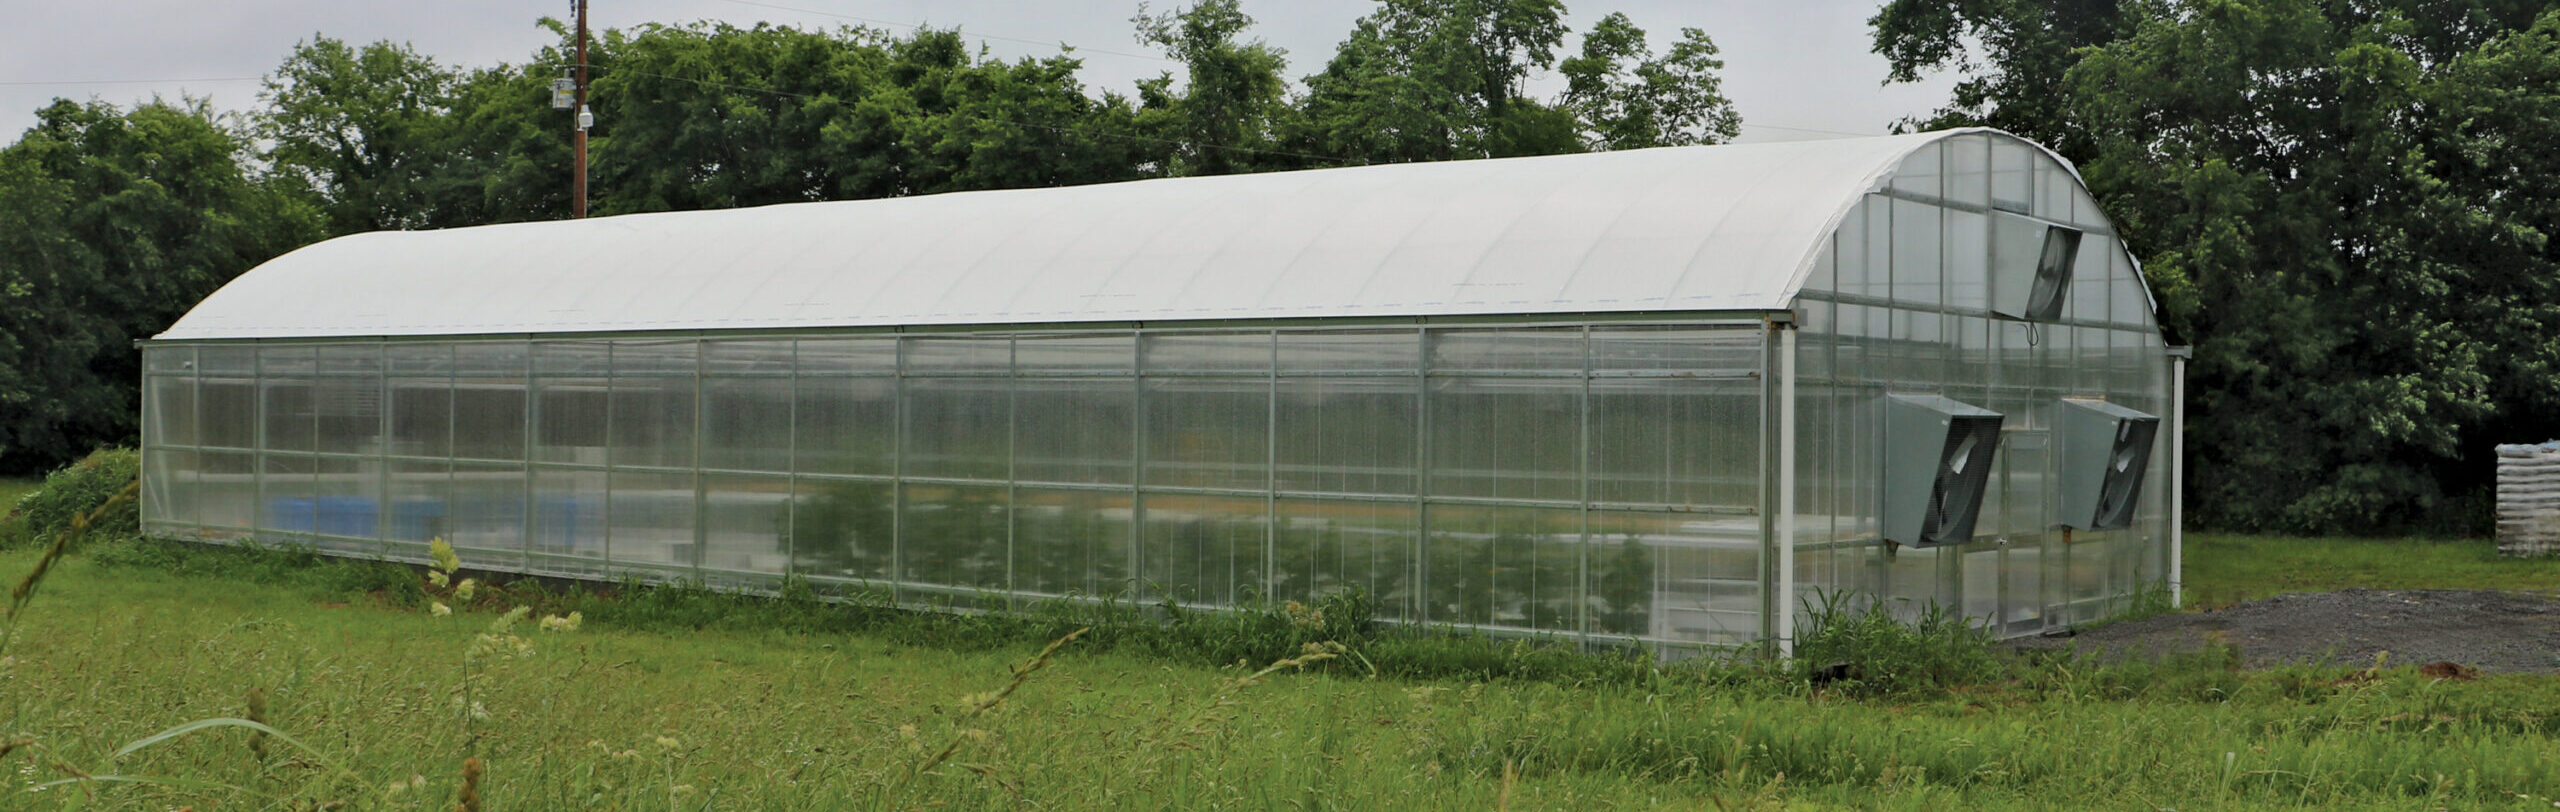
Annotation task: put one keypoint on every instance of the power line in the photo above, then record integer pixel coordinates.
(36, 83)
(921, 27)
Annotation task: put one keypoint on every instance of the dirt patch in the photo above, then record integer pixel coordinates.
(2495, 632)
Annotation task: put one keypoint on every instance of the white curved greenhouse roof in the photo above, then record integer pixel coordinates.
(1724, 228)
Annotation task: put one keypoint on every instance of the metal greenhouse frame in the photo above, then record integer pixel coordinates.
(1627, 396)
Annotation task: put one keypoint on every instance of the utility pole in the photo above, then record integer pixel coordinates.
(578, 187)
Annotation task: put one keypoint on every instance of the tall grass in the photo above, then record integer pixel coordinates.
(1170, 632)
(670, 705)
(170, 675)
(1866, 649)
(72, 530)
(13, 489)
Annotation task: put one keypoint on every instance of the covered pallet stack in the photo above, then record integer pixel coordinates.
(2529, 499)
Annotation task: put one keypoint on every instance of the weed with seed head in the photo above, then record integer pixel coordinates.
(77, 527)
(258, 713)
(469, 800)
(981, 704)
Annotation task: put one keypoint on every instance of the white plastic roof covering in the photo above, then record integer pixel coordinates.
(1724, 228)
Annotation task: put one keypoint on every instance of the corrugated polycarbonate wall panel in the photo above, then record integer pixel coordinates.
(1583, 480)
(1898, 304)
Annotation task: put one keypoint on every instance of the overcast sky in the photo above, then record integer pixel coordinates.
(1794, 68)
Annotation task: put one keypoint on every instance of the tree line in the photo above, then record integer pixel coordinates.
(2344, 205)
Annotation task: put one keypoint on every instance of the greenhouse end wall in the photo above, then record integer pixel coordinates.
(1900, 301)
(1594, 480)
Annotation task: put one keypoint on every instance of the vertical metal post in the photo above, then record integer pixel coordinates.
(382, 512)
(452, 447)
(195, 426)
(1271, 476)
(1786, 518)
(612, 387)
(2178, 473)
(258, 459)
(1421, 572)
(701, 481)
(1582, 512)
(529, 522)
(791, 467)
(148, 496)
(1136, 560)
(1768, 501)
(1012, 466)
(900, 417)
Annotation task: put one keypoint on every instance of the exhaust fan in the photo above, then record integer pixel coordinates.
(1937, 466)
(2105, 448)
(2031, 262)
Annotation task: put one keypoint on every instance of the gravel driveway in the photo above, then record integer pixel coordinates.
(2496, 632)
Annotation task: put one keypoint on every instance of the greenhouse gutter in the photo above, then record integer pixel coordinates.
(1695, 318)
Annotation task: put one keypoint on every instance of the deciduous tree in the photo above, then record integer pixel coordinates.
(1626, 97)
(1227, 115)
(112, 224)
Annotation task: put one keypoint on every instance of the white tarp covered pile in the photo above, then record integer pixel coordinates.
(2529, 499)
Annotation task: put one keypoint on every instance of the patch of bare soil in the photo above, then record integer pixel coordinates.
(2494, 632)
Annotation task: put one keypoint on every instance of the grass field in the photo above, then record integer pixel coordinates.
(2225, 569)
(11, 488)
(385, 702)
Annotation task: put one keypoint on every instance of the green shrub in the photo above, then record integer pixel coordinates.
(75, 490)
(1870, 652)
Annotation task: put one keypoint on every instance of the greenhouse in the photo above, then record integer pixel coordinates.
(1673, 396)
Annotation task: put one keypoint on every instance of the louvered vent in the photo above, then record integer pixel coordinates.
(2105, 450)
(1938, 455)
(2031, 264)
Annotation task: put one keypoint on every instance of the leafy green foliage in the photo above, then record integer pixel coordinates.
(365, 127)
(1233, 103)
(1431, 80)
(1626, 98)
(2011, 55)
(713, 116)
(73, 491)
(112, 224)
(383, 137)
